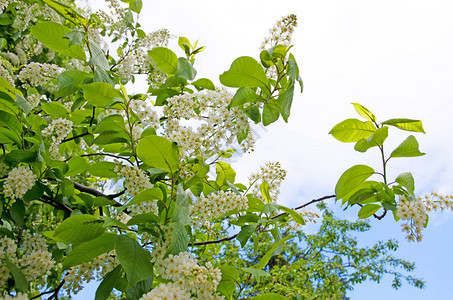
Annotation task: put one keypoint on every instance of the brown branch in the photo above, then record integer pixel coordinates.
(94, 192)
(107, 154)
(235, 235)
(54, 291)
(55, 203)
(75, 137)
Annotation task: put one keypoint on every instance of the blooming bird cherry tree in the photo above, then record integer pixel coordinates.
(98, 183)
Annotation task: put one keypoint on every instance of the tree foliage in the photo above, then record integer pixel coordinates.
(136, 189)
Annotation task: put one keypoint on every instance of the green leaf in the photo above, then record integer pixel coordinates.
(181, 212)
(75, 37)
(376, 139)
(135, 260)
(165, 59)
(271, 112)
(70, 82)
(20, 282)
(10, 121)
(77, 165)
(264, 188)
(408, 148)
(351, 179)
(203, 83)
(406, 180)
(245, 233)
(111, 123)
(18, 212)
(265, 259)
(185, 69)
(23, 104)
(6, 19)
(244, 72)
(224, 173)
(278, 51)
(136, 5)
(79, 228)
(254, 114)
(180, 239)
(98, 58)
(294, 214)
(242, 96)
(270, 296)
(352, 130)
(100, 93)
(106, 286)
(368, 210)
(87, 251)
(103, 169)
(285, 101)
(406, 124)
(257, 273)
(67, 12)
(364, 112)
(142, 287)
(3, 43)
(150, 194)
(143, 219)
(158, 152)
(55, 109)
(227, 284)
(110, 137)
(52, 34)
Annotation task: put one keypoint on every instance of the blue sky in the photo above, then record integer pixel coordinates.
(394, 57)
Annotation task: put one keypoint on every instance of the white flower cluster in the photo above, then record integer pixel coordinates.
(135, 180)
(435, 201)
(58, 129)
(281, 33)
(273, 174)
(95, 269)
(184, 270)
(25, 49)
(34, 260)
(218, 126)
(414, 212)
(35, 74)
(146, 114)
(18, 182)
(214, 205)
(308, 215)
(137, 61)
(115, 20)
(34, 99)
(31, 12)
(5, 73)
(169, 291)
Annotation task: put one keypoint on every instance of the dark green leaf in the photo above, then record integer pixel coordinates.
(70, 82)
(180, 239)
(106, 286)
(20, 282)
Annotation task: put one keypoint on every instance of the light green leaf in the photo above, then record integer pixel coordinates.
(285, 101)
(165, 59)
(77, 165)
(67, 12)
(406, 124)
(79, 228)
(364, 112)
(294, 214)
(265, 259)
(87, 251)
(180, 239)
(100, 93)
(55, 109)
(111, 137)
(408, 148)
(23, 104)
(257, 273)
(270, 296)
(368, 210)
(185, 69)
(227, 284)
(244, 72)
(264, 188)
(158, 152)
(376, 139)
(103, 169)
(98, 58)
(135, 260)
(111, 123)
(406, 180)
(70, 82)
(271, 112)
(181, 212)
(203, 83)
(224, 172)
(242, 96)
(352, 130)
(351, 179)
(52, 36)
(136, 5)
(10, 121)
(154, 193)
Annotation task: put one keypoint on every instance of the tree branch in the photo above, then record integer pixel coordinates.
(55, 203)
(94, 192)
(235, 235)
